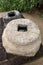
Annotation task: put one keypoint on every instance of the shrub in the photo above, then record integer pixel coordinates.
(40, 4)
(5, 5)
(21, 5)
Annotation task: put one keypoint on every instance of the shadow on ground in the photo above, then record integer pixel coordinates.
(19, 60)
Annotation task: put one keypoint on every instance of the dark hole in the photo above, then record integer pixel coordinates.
(11, 14)
(22, 27)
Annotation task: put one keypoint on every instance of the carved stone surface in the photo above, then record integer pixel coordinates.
(21, 37)
(8, 16)
(1, 29)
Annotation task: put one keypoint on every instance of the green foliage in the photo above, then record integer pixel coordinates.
(40, 3)
(5, 5)
(21, 5)
(41, 15)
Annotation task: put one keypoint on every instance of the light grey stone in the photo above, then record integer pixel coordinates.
(8, 16)
(21, 37)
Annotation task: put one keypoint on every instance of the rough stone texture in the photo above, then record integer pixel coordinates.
(2, 50)
(7, 62)
(8, 16)
(2, 54)
(36, 60)
(19, 42)
(1, 29)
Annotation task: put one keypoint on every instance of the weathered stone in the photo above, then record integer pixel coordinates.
(21, 37)
(1, 29)
(2, 54)
(7, 62)
(8, 16)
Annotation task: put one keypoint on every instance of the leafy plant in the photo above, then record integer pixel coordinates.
(21, 5)
(41, 15)
(40, 2)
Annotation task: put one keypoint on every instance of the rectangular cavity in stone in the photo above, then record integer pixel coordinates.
(22, 28)
(11, 14)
